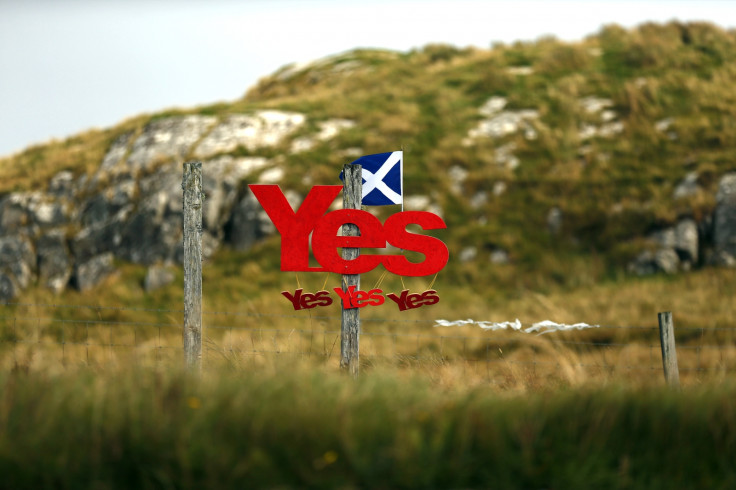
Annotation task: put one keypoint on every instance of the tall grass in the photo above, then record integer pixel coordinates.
(313, 428)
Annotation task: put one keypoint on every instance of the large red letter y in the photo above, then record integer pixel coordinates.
(295, 227)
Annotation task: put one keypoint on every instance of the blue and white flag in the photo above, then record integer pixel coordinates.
(383, 178)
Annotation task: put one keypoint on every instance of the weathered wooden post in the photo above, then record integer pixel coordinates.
(669, 354)
(350, 328)
(193, 198)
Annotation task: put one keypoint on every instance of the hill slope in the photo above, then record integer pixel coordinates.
(552, 163)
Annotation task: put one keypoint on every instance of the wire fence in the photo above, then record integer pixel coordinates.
(43, 335)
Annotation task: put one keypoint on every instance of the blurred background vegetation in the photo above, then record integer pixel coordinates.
(294, 423)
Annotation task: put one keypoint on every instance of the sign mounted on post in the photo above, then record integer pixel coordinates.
(382, 176)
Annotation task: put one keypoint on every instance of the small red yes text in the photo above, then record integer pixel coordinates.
(355, 298)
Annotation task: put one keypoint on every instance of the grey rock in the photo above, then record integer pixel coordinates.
(686, 240)
(27, 211)
(90, 273)
(503, 124)
(643, 264)
(13, 215)
(62, 184)
(594, 105)
(724, 224)
(500, 257)
(493, 106)
(327, 130)
(417, 203)
(554, 221)
(122, 192)
(221, 184)
(249, 222)
(520, 70)
(648, 262)
(720, 258)
(17, 259)
(667, 260)
(54, 262)
(479, 200)
(148, 238)
(271, 176)
(457, 175)
(663, 124)
(599, 106)
(46, 213)
(97, 210)
(8, 289)
(210, 244)
(166, 139)
(607, 130)
(157, 277)
(468, 254)
(100, 237)
(504, 156)
(682, 238)
(262, 129)
(163, 187)
(166, 178)
(245, 226)
(115, 154)
(688, 187)
(500, 123)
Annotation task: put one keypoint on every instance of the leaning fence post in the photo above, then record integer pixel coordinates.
(192, 223)
(350, 328)
(669, 354)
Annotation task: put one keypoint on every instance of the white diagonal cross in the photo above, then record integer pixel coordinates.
(375, 181)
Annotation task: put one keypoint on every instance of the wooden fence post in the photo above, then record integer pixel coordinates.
(193, 198)
(350, 329)
(669, 354)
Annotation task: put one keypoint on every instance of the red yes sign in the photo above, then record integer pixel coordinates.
(312, 217)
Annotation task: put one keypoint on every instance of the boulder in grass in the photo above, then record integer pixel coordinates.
(157, 277)
(724, 223)
(92, 272)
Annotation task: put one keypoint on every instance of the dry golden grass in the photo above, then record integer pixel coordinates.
(125, 326)
(264, 333)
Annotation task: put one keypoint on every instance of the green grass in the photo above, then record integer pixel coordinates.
(313, 428)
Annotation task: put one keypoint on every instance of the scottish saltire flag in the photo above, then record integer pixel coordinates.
(383, 178)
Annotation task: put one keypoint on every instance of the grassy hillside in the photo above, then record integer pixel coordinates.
(606, 128)
(665, 88)
(610, 189)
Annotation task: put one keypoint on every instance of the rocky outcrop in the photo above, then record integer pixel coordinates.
(688, 187)
(90, 273)
(724, 226)
(17, 265)
(500, 123)
(265, 128)
(54, 261)
(605, 124)
(675, 248)
(688, 244)
(130, 208)
(327, 130)
(246, 225)
(165, 139)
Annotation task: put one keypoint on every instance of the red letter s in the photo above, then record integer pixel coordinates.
(434, 250)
